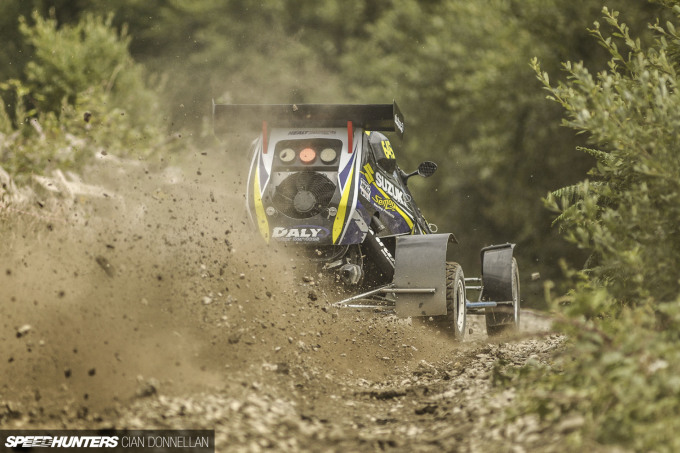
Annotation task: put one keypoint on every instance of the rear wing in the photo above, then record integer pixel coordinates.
(231, 118)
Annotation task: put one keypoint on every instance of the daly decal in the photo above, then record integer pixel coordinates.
(301, 233)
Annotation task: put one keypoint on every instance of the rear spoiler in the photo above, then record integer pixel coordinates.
(231, 118)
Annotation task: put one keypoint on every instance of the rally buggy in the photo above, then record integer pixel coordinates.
(324, 178)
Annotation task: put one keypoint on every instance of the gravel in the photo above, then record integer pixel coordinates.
(232, 337)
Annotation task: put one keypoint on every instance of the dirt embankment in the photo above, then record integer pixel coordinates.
(155, 307)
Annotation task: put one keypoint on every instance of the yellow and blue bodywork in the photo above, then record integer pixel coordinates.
(325, 178)
(308, 186)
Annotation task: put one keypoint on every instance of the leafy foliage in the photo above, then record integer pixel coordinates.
(618, 376)
(70, 87)
(473, 108)
(81, 93)
(631, 111)
(620, 371)
(458, 70)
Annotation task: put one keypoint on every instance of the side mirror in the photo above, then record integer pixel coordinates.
(425, 169)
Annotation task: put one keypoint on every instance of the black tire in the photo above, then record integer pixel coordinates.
(504, 319)
(453, 322)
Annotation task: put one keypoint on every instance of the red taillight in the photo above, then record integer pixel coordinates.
(307, 155)
(350, 137)
(264, 137)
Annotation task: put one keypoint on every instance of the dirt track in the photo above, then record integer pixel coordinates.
(153, 308)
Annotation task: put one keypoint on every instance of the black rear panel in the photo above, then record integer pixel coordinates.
(303, 194)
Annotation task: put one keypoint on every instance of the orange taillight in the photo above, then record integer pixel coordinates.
(307, 155)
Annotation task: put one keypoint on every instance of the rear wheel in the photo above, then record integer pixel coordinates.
(505, 318)
(453, 322)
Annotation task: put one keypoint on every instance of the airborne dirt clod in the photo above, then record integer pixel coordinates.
(155, 307)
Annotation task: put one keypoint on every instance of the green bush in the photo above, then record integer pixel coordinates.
(620, 376)
(628, 216)
(82, 93)
(621, 369)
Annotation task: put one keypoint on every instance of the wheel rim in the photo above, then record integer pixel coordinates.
(460, 308)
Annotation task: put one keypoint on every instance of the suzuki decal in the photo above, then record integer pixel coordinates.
(368, 173)
(390, 193)
(393, 191)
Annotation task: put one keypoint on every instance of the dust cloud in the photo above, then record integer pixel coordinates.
(160, 287)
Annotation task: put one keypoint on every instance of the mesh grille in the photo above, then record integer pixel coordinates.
(303, 195)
